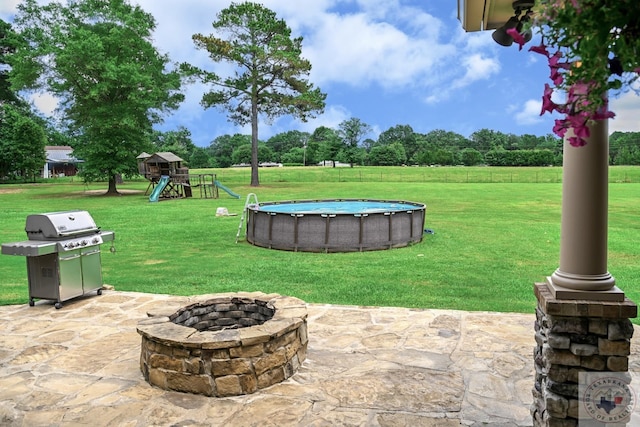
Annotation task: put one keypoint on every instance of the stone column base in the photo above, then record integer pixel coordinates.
(574, 336)
(559, 292)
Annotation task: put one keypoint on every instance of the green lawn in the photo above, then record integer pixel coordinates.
(492, 241)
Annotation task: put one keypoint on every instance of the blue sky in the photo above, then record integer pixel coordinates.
(386, 62)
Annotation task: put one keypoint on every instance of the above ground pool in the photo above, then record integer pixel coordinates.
(338, 225)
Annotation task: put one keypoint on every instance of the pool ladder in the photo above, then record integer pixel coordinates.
(247, 203)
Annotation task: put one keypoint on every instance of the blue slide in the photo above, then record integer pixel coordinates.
(155, 194)
(227, 189)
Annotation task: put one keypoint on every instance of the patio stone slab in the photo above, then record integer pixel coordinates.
(365, 366)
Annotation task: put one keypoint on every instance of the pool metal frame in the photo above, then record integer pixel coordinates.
(334, 232)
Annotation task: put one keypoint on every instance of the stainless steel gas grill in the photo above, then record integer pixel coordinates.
(63, 255)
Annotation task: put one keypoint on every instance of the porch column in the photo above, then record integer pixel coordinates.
(582, 329)
(583, 273)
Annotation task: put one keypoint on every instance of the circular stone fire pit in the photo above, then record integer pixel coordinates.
(225, 344)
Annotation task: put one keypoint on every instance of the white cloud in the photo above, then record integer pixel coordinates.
(45, 102)
(176, 25)
(384, 43)
(477, 68)
(190, 109)
(530, 113)
(627, 109)
(473, 42)
(332, 117)
(357, 50)
(8, 7)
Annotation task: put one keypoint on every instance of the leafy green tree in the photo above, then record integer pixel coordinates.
(484, 140)
(283, 142)
(22, 142)
(177, 142)
(329, 143)
(529, 142)
(97, 56)
(429, 143)
(541, 157)
(9, 43)
(199, 158)
(242, 154)
(471, 157)
(352, 133)
(440, 138)
(270, 78)
(403, 134)
(221, 149)
(444, 157)
(628, 155)
(56, 136)
(311, 155)
(623, 143)
(368, 144)
(496, 157)
(550, 142)
(295, 155)
(388, 155)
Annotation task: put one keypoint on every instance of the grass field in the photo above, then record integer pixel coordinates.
(492, 240)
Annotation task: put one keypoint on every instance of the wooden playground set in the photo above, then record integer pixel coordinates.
(168, 179)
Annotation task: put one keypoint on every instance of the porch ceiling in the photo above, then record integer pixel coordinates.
(478, 15)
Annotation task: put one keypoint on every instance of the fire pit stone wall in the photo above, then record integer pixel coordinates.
(224, 344)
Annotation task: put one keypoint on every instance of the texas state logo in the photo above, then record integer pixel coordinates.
(606, 397)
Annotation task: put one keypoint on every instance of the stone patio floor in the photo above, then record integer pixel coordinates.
(366, 366)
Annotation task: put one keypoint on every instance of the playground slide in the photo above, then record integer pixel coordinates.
(155, 194)
(227, 189)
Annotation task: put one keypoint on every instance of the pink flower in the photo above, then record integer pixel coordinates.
(560, 128)
(576, 6)
(547, 103)
(577, 142)
(556, 77)
(517, 37)
(581, 130)
(601, 115)
(554, 61)
(555, 65)
(542, 50)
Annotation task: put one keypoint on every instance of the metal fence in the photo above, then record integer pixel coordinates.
(550, 175)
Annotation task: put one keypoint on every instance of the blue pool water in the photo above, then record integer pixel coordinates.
(339, 207)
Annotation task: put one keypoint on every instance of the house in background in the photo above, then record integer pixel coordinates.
(60, 162)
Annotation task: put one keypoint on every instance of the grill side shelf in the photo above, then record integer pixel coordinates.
(107, 236)
(29, 248)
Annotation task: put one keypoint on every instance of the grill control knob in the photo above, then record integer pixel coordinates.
(95, 241)
(84, 243)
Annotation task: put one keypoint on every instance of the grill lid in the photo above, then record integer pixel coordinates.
(56, 225)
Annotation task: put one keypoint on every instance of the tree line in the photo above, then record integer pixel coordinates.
(396, 146)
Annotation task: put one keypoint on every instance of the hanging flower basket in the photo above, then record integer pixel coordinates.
(593, 50)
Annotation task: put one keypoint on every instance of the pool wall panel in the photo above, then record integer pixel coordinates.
(342, 232)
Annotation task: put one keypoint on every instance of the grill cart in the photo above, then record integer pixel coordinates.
(63, 255)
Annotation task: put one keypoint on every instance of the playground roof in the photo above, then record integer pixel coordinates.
(165, 156)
